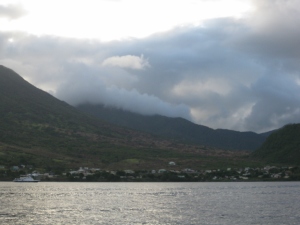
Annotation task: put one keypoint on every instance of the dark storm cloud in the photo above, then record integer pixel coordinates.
(278, 103)
(11, 11)
(236, 74)
(273, 41)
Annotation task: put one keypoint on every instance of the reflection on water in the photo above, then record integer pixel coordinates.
(150, 203)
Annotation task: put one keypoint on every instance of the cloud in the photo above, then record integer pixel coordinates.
(240, 74)
(273, 30)
(278, 102)
(127, 61)
(11, 11)
(91, 89)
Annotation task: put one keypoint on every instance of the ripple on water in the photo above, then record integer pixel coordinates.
(150, 203)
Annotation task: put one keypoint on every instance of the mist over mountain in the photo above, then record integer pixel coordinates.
(37, 128)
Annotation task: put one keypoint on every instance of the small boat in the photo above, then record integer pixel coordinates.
(25, 178)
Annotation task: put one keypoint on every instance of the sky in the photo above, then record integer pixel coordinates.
(230, 64)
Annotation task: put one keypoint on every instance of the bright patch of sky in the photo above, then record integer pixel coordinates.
(116, 19)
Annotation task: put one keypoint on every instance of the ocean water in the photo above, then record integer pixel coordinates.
(150, 203)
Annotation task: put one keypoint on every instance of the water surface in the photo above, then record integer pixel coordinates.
(150, 203)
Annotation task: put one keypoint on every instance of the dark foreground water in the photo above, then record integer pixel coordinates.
(150, 203)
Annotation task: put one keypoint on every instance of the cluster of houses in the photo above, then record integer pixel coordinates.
(247, 173)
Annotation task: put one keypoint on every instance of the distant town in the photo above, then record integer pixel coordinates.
(266, 173)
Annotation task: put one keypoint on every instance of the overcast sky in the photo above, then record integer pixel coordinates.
(232, 64)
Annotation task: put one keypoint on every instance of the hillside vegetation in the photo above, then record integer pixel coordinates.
(40, 130)
(282, 146)
(178, 129)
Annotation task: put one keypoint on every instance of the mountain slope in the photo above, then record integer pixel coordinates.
(25, 109)
(177, 128)
(39, 130)
(36, 128)
(282, 146)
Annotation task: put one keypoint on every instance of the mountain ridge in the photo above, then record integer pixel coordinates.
(177, 128)
(35, 122)
(38, 129)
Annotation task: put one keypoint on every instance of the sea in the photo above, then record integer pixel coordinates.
(150, 203)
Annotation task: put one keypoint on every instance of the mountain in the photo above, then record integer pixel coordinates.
(177, 128)
(282, 146)
(36, 128)
(39, 130)
(268, 133)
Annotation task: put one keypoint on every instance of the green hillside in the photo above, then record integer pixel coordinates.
(34, 116)
(178, 129)
(35, 127)
(282, 146)
(40, 130)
